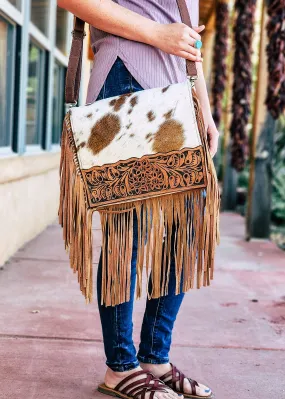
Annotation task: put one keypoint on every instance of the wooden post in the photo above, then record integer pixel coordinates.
(208, 44)
(229, 175)
(259, 190)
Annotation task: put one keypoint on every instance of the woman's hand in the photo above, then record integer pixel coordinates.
(212, 136)
(178, 39)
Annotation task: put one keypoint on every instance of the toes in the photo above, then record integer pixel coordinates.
(203, 390)
(162, 395)
(175, 395)
(170, 394)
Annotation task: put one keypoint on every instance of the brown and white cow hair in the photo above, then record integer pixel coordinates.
(128, 126)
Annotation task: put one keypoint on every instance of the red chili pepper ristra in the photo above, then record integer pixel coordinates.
(275, 100)
(219, 60)
(242, 69)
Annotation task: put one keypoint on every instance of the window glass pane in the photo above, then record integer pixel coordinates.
(61, 28)
(58, 102)
(40, 14)
(6, 76)
(16, 3)
(35, 95)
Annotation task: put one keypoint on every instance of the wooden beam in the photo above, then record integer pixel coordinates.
(210, 13)
(229, 174)
(259, 189)
(207, 51)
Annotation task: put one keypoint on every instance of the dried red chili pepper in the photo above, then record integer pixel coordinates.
(243, 33)
(275, 99)
(219, 59)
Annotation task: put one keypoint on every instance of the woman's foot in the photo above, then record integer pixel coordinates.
(113, 378)
(159, 370)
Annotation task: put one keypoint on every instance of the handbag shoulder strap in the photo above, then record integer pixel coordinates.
(186, 19)
(73, 74)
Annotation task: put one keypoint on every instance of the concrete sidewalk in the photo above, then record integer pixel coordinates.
(230, 336)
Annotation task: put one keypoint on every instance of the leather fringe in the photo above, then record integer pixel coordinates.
(211, 225)
(182, 227)
(74, 215)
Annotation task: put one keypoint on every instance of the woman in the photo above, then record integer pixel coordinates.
(145, 47)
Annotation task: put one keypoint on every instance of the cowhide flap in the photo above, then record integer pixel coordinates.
(139, 145)
(133, 125)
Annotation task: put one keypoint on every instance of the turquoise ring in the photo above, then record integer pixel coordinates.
(198, 44)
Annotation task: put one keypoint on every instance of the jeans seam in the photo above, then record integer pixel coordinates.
(154, 326)
(117, 310)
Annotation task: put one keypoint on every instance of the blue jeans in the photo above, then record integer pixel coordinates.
(160, 314)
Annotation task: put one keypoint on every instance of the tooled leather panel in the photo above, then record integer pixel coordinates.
(149, 176)
(152, 121)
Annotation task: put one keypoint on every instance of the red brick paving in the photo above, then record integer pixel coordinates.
(230, 336)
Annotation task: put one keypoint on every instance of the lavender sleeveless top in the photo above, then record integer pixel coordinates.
(150, 66)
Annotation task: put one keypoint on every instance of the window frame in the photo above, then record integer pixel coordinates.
(11, 12)
(62, 74)
(27, 31)
(68, 37)
(31, 148)
(47, 38)
(11, 43)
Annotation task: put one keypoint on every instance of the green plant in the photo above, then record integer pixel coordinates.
(278, 195)
(278, 168)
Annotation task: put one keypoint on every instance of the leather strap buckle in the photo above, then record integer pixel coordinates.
(78, 33)
(68, 106)
(192, 79)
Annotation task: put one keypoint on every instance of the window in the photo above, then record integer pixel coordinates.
(58, 102)
(16, 3)
(61, 29)
(6, 81)
(33, 62)
(40, 14)
(35, 95)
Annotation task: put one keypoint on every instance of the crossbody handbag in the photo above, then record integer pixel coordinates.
(142, 154)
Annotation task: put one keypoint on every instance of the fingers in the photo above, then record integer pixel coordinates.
(190, 56)
(195, 35)
(196, 53)
(212, 138)
(190, 49)
(199, 28)
(189, 38)
(213, 150)
(213, 141)
(189, 32)
(181, 41)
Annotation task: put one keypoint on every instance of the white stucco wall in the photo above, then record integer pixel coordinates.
(29, 192)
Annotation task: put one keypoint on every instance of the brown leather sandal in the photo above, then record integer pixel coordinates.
(173, 376)
(136, 389)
